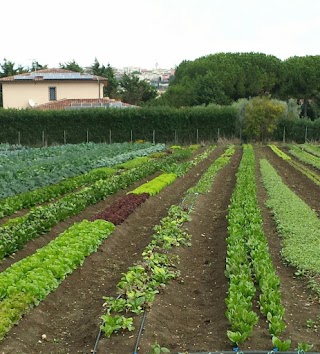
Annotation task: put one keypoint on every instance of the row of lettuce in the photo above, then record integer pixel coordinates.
(29, 281)
(249, 265)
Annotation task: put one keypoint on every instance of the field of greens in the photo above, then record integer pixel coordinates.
(148, 248)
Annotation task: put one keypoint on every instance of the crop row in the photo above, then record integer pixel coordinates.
(304, 156)
(297, 223)
(313, 176)
(312, 149)
(30, 280)
(248, 262)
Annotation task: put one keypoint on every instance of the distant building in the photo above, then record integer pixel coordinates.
(49, 86)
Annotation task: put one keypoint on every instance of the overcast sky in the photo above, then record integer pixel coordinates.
(145, 32)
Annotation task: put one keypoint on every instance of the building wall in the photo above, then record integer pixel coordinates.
(17, 94)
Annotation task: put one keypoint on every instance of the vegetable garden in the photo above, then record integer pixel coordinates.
(145, 248)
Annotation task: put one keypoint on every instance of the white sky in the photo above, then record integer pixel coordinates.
(145, 32)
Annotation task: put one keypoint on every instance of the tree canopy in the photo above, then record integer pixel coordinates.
(71, 65)
(110, 90)
(136, 91)
(225, 77)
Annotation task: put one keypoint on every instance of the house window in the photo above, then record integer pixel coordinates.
(52, 93)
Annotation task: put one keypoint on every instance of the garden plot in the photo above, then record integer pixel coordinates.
(189, 314)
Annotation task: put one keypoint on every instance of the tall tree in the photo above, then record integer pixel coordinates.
(261, 117)
(71, 65)
(224, 77)
(111, 89)
(302, 79)
(135, 91)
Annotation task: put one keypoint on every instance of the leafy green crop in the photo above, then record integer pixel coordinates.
(296, 222)
(29, 281)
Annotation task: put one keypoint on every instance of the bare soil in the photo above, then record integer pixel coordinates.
(189, 314)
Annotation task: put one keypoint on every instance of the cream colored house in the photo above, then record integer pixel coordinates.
(30, 90)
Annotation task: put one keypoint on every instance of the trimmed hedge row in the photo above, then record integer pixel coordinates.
(159, 124)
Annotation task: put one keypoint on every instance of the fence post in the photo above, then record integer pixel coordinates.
(131, 136)
(284, 135)
(218, 134)
(197, 136)
(154, 137)
(43, 144)
(306, 135)
(64, 137)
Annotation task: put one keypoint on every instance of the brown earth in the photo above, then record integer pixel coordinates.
(189, 313)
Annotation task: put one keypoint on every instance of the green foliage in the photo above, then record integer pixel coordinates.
(222, 78)
(114, 323)
(135, 91)
(157, 349)
(111, 89)
(30, 280)
(248, 258)
(300, 246)
(71, 65)
(302, 77)
(279, 152)
(154, 186)
(302, 154)
(293, 110)
(167, 123)
(8, 69)
(140, 160)
(261, 117)
(281, 345)
(237, 337)
(16, 232)
(304, 347)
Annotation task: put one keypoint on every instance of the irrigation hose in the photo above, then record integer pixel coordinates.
(99, 334)
(140, 332)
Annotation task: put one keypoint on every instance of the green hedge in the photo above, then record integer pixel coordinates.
(298, 130)
(32, 127)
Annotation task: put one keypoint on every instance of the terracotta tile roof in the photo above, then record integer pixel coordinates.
(52, 74)
(69, 103)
